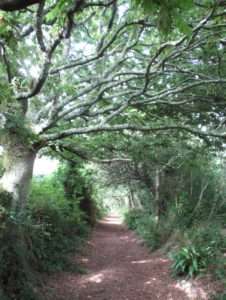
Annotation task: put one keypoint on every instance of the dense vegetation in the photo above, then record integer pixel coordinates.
(43, 240)
(173, 191)
(128, 95)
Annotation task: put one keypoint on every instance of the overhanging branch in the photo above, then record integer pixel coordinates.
(13, 5)
(84, 155)
(110, 128)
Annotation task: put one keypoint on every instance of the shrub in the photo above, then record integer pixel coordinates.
(42, 240)
(208, 234)
(190, 260)
(132, 218)
(56, 234)
(204, 247)
(58, 227)
(152, 233)
(149, 232)
(15, 274)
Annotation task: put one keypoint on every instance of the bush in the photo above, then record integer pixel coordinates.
(41, 240)
(208, 234)
(132, 218)
(57, 231)
(190, 260)
(204, 247)
(149, 232)
(152, 233)
(58, 226)
(15, 274)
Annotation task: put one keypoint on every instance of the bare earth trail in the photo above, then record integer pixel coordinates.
(120, 268)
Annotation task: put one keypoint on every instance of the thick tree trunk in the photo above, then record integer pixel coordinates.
(18, 162)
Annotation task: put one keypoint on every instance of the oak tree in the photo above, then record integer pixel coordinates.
(77, 67)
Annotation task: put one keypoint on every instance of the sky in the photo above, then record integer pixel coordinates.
(44, 165)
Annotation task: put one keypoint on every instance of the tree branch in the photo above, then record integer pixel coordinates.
(38, 26)
(110, 128)
(13, 5)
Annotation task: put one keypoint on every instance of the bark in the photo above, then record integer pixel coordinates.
(87, 206)
(157, 192)
(131, 197)
(145, 177)
(130, 203)
(18, 162)
(13, 5)
(204, 186)
(70, 185)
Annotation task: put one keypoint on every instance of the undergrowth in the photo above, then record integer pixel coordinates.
(200, 247)
(15, 272)
(152, 233)
(54, 235)
(42, 240)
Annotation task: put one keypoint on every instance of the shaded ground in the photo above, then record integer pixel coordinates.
(119, 267)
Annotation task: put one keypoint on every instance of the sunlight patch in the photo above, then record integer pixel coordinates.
(124, 238)
(151, 281)
(141, 261)
(112, 220)
(96, 278)
(189, 289)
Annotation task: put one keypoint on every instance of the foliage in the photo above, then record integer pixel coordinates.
(54, 216)
(168, 13)
(78, 186)
(204, 246)
(60, 84)
(15, 272)
(131, 218)
(7, 28)
(188, 199)
(188, 210)
(190, 260)
(55, 234)
(115, 89)
(53, 229)
(152, 233)
(208, 234)
(191, 178)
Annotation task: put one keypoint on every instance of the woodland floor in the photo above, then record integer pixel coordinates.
(120, 267)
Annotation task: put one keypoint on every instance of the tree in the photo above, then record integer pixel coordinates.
(12, 5)
(168, 176)
(74, 68)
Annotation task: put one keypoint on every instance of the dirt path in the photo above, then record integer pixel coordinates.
(121, 268)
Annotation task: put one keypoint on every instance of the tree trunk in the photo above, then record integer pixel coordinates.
(18, 162)
(131, 197)
(145, 177)
(157, 193)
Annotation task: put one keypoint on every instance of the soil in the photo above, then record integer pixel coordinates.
(121, 267)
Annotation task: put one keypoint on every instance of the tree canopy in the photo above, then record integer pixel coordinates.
(103, 66)
(138, 86)
(74, 68)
